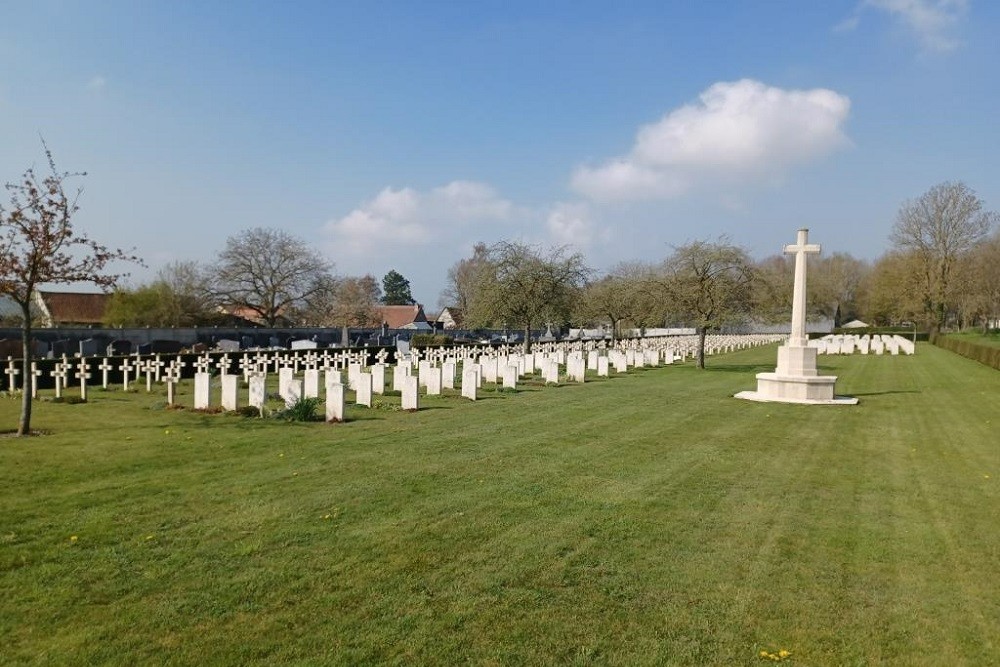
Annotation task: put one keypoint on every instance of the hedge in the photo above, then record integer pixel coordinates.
(984, 354)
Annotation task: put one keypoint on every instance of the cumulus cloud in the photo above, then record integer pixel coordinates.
(932, 22)
(572, 223)
(742, 131)
(407, 217)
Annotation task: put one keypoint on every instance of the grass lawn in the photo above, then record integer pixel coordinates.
(647, 518)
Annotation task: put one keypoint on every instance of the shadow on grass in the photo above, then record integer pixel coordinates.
(886, 393)
(740, 368)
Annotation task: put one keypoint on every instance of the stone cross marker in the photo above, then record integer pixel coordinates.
(12, 372)
(104, 367)
(801, 249)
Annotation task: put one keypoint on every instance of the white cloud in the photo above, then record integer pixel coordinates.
(742, 131)
(933, 22)
(97, 84)
(573, 224)
(407, 216)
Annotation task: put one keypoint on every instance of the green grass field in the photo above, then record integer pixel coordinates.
(648, 518)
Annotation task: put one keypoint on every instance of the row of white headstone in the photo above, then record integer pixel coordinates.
(434, 370)
(852, 343)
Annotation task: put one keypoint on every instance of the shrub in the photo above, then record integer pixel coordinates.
(303, 410)
(430, 340)
(983, 353)
(249, 411)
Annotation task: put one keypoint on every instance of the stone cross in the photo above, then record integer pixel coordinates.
(58, 374)
(83, 375)
(158, 366)
(12, 372)
(125, 368)
(36, 373)
(147, 368)
(801, 249)
(104, 367)
(171, 376)
(382, 355)
(202, 364)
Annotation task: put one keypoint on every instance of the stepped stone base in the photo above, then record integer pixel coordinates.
(796, 381)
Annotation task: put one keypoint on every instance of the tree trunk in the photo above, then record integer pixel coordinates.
(24, 424)
(527, 338)
(701, 346)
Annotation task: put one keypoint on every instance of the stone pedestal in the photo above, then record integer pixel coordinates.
(796, 380)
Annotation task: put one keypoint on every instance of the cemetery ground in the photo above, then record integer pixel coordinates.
(645, 518)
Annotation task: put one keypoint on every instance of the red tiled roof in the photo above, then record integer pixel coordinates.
(75, 307)
(398, 317)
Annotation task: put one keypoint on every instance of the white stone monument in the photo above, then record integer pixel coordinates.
(796, 380)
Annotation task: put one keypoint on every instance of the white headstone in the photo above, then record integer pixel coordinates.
(202, 391)
(230, 385)
(411, 400)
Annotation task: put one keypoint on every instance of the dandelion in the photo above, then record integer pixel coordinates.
(73, 538)
(166, 432)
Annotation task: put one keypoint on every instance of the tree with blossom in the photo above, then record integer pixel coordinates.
(38, 246)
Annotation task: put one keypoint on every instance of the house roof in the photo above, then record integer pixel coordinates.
(398, 317)
(453, 314)
(74, 307)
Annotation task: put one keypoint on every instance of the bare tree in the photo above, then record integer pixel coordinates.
(708, 285)
(350, 301)
(268, 272)
(834, 286)
(979, 283)
(938, 228)
(38, 245)
(519, 285)
(894, 291)
(615, 298)
(462, 279)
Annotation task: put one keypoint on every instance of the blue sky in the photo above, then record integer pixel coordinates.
(396, 135)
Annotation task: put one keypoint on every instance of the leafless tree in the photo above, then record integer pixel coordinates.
(268, 272)
(38, 245)
(938, 228)
(523, 286)
(708, 285)
(616, 297)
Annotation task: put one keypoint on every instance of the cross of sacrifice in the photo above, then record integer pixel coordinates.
(801, 250)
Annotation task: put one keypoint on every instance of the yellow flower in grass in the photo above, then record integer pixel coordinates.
(73, 538)
(783, 653)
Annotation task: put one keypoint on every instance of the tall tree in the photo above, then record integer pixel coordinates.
(268, 272)
(350, 301)
(938, 228)
(979, 282)
(396, 290)
(38, 245)
(614, 298)
(462, 279)
(708, 285)
(520, 285)
(834, 286)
